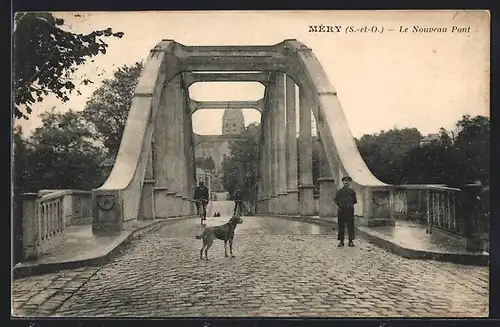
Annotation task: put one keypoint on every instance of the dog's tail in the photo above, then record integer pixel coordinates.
(198, 237)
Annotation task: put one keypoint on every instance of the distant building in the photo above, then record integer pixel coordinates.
(217, 150)
(430, 138)
(233, 123)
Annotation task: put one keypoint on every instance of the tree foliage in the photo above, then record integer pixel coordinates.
(384, 152)
(451, 160)
(473, 148)
(45, 57)
(65, 151)
(206, 163)
(239, 169)
(62, 154)
(108, 107)
(433, 163)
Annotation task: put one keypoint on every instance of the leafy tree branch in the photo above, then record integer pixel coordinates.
(46, 56)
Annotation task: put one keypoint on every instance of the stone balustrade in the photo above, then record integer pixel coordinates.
(434, 205)
(47, 213)
(442, 209)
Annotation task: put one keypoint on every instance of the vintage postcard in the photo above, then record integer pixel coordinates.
(251, 164)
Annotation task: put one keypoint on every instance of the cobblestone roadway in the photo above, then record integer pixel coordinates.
(273, 274)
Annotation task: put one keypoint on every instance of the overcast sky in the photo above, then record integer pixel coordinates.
(384, 80)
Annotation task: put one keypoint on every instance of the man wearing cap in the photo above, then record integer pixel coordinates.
(345, 199)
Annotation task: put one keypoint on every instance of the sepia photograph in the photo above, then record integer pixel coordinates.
(251, 164)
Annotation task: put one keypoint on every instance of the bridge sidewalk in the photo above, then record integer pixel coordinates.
(81, 247)
(410, 240)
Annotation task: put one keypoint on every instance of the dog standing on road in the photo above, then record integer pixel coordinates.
(224, 233)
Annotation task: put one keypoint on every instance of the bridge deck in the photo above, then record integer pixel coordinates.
(282, 268)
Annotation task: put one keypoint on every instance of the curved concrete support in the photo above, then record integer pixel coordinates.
(292, 203)
(190, 151)
(116, 203)
(333, 129)
(332, 123)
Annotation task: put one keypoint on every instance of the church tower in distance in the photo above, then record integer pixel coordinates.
(233, 122)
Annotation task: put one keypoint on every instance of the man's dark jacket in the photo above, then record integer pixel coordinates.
(201, 193)
(345, 197)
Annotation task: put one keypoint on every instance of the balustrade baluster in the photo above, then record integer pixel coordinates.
(41, 218)
(46, 221)
(453, 212)
(448, 211)
(428, 211)
(435, 209)
(405, 199)
(59, 216)
(440, 210)
(58, 205)
(51, 218)
(429, 208)
(445, 211)
(56, 222)
(54, 216)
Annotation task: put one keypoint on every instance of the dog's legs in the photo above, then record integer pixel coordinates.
(209, 241)
(201, 251)
(203, 237)
(225, 249)
(206, 252)
(231, 247)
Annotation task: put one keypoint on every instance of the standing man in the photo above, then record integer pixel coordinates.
(345, 199)
(238, 203)
(201, 200)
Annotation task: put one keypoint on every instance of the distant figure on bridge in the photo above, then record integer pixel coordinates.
(238, 203)
(201, 199)
(345, 199)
